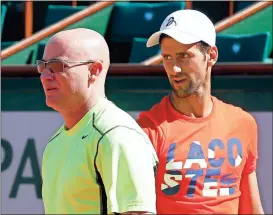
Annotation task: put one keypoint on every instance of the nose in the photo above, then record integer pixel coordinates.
(176, 69)
(46, 75)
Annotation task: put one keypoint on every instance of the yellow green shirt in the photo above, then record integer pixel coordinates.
(104, 164)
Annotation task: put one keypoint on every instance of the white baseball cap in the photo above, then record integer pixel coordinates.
(186, 26)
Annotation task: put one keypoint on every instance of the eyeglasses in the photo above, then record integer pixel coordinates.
(58, 65)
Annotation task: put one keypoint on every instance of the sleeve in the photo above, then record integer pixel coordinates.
(126, 161)
(150, 127)
(252, 155)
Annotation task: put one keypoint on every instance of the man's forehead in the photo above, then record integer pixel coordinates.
(53, 56)
(55, 50)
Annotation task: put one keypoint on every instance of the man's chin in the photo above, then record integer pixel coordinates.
(52, 104)
(180, 94)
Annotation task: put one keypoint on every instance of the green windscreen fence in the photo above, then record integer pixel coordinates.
(140, 93)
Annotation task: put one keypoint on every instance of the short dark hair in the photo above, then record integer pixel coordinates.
(162, 36)
(202, 46)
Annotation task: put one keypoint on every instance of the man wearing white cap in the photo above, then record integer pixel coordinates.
(207, 149)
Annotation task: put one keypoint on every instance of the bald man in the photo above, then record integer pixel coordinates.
(100, 161)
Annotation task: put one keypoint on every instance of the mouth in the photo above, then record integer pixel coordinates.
(51, 89)
(179, 81)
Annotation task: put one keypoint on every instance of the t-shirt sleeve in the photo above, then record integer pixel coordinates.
(151, 128)
(252, 155)
(126, 162)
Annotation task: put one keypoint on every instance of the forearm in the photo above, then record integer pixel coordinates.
(250, 202)
(251, 209)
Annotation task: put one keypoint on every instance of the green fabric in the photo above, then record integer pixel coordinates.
(105, 143)
(140, 52)
(259, 22)
(242, 48)
(135, 19)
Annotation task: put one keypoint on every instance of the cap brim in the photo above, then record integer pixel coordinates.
(178, 35)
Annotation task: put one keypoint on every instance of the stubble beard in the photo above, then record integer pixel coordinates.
(183, 93)
(191, 88)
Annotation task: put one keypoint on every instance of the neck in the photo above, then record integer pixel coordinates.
(196, 105)
(73, 116)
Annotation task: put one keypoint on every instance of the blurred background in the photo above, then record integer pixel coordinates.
(136, 80)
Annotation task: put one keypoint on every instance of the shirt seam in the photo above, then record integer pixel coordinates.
(98, 175)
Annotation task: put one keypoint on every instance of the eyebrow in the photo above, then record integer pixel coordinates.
(182, 53)
(179, 53)
(52, 59)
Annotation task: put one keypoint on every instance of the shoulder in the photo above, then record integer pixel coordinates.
(56, 137)
(127, 145)
(123, 135)
(154, 116)
(113, 121)
(236, 113)
(56, 134)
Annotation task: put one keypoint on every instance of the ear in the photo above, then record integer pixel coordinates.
(94, 71)
(213, 56)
